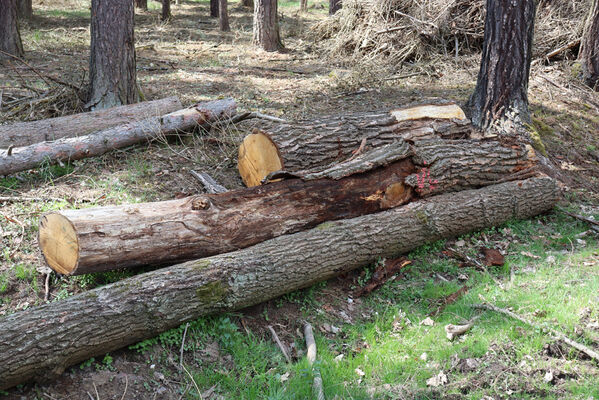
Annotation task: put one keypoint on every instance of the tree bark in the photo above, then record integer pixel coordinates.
(66, 149)
(214, 6)
(166, 10)
(10, 38)
(40, 342)
(304, 5)
(112, 54)
(589, 52)
(500, 99)
(142, 4)
(317, 143)
(83, 241)
(266, 25)
(24, 9)
(334, 6)
(223, 19)
(27, 133)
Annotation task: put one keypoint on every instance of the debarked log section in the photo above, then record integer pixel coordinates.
(23, 134)
(40, 342)
(99, 239)
(66, 149)
(319, 142)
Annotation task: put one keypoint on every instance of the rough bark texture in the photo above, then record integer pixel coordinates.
(10, 39)
(334, 6)
(589, 52)
(304, 5)
(112, 54)
(266, 25)
(92, 240)
(142, 4)
(502, 86)
(223, 16)
(27, 133)
(316, 143)
(203, 114)
(166, 10)
(25, 9)
(214, 6)
(40, 342)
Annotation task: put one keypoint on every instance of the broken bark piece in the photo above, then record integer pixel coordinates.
(40, 342)
(382, 275)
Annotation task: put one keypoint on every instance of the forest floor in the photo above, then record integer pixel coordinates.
(377, 346)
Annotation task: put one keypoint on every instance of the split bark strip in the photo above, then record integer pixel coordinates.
(320, 142)
(23, 134)
(98, 143)
(211, 185)
(554, 333)
(278, 342)
(40, 342)
(311, 356)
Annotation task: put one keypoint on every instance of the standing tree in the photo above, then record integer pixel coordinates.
(112, 54)
(334, 6)
(266, 25)
(501, 89)
(214, 8)
(303, 5)
(589, 52)
(142, 4)
(223, 16)
(10, 39)
(25, 9)
(166, 10)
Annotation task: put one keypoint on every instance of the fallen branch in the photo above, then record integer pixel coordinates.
(594, 224)
(278, 342)
(208, 182)
(453, 331)
(559, 50)
(311, 356)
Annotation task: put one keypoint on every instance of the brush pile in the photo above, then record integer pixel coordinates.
(411, 30)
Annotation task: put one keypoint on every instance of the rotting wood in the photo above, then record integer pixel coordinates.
(22, 134)
(98, 143)
(41, 342)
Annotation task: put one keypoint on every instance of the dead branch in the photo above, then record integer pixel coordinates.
(311, 356)
(278, 342)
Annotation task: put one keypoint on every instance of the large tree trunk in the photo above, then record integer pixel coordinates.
(10, 39)
(334, 6)
(166, 10)
(83, 241)
(112, 54)
(266, 25)
(223, 18)
(27, 133)
(142, 4)
(589, 53)
(317, 143)
(214, 8)
(66, 149)
(501, 90)
(40, 342)
(25, 9)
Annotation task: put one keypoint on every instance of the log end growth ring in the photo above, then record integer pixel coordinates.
(59, 243)
(258, 157)
(445, 111)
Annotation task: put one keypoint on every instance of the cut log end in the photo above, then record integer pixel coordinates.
(446, 111)
(59, 243)
(258, 157)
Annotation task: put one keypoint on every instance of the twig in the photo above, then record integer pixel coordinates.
(193, 381)
(580, 217)
(311, 356)
(249, 115)
(208, 182)
(126, 386)
(183, 345)
(47, 286)
(557, 51)
(395, 77)
(14, 199)
(96, 389)
(276, 338)
(556, 335)
(453, 331)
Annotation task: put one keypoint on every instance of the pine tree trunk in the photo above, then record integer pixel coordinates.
(214, 6)
(334, 6)
(25, 9)
(223, 16)
(10, 39)
(501, 95)
(166, 10)
(112, 54)
(589, 54)
(266, 25)
(304, 5)
(142, 4)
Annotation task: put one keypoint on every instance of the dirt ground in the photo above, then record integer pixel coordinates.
(190, 58)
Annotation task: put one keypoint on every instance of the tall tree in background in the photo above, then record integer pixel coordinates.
(112, 54)
(142, 4)
(166, 10)
(223, 16)
(334, 6)
(214, 8)
(502, 85)
(10, 39)
(589, 51)
(25, 9)
(266, 25)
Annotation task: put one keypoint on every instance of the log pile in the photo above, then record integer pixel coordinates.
(371, 186)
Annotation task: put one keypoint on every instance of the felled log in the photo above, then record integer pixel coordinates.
(316, 143)
(22, 134)
(40, 342)
(95, 144)
(98, 239)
